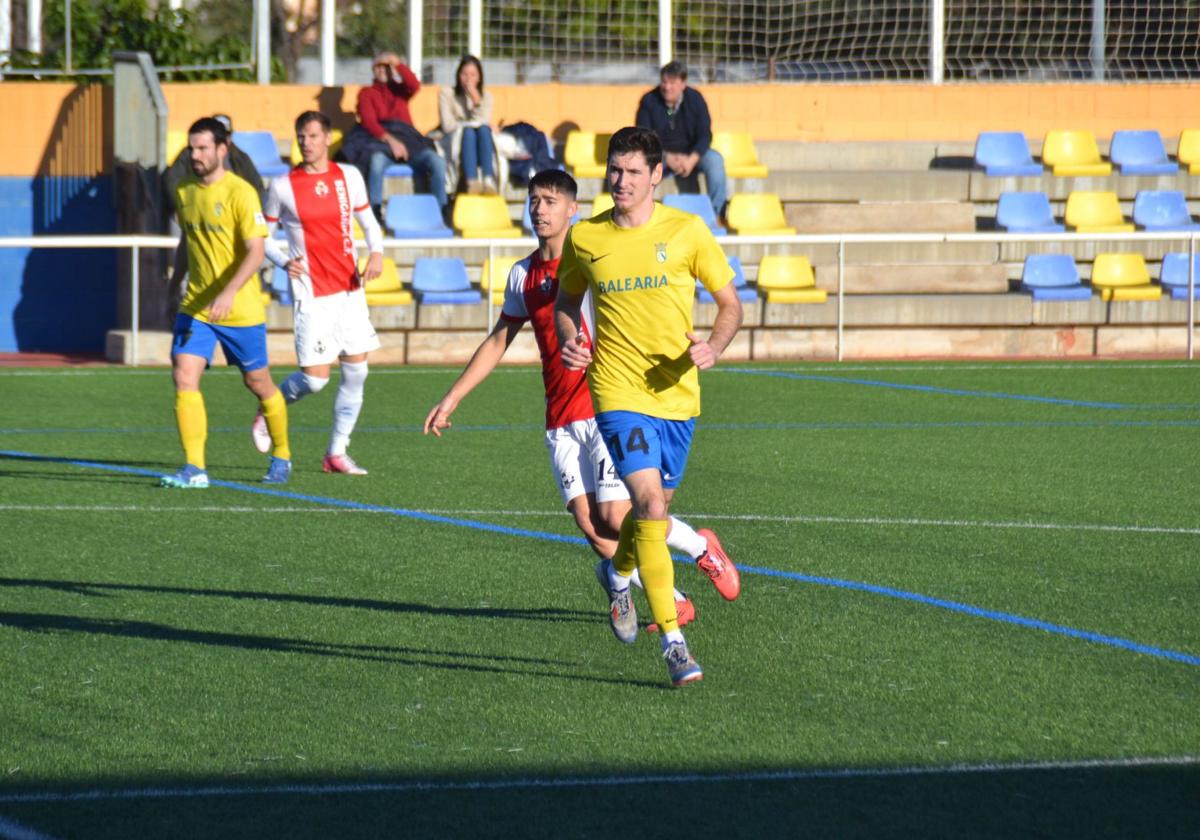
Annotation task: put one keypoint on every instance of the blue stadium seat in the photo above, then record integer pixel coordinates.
(398, 170)
(263, 150)
(1141, 153)
(1174, 276)
(1053, 277)
(527, 220)
(1026, 212)
(415, 217)
(1005, 153)
(698, 205)
(442, 280)
(745, 293)
(1162, 210)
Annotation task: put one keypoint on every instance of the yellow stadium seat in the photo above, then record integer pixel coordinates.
(385, 290)
(1189, 150)
(757, 214)
(494, 276)
(741, 158)
(484, 217)
(335, 143)
(788, 279)
(587, 154)
(602, 202)
(1073, 153)
(176, 142)
(1123, 277)
(1096, 212)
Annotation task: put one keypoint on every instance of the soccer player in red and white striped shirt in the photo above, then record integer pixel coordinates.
(315, 203)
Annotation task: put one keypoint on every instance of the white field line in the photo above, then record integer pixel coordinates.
(594, 782)
(10, 830)
(729, 517)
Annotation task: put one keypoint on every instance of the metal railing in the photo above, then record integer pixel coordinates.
(136, 243)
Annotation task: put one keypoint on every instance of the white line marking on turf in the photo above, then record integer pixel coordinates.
(729, 517)
(10, 830)
(598, 781)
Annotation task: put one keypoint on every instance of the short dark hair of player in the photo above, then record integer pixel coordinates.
(631, 139)
(467, 59)
(557, 180)
(214, 127)
(313, 116)
(673, 70)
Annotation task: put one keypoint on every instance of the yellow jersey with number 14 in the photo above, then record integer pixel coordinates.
(216, 220)
(643, 282)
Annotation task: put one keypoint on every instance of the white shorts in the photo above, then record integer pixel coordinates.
(330, 326)
(581, 464)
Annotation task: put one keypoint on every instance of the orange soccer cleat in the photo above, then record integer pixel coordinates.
(720, 569)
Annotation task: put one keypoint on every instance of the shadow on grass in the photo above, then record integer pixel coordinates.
(1093, 802)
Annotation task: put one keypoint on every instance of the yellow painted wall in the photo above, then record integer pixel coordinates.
(45, 115)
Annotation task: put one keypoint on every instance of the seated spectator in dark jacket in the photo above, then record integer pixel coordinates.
(385, 133)
(237, 162)
(679, 116)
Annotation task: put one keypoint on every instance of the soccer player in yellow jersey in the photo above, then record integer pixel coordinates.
(639, 260)
(221, 248)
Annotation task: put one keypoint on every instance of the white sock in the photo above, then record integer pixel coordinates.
(636, 578)
(346, 405)
(618, 581)
(670, 637)
(681, 537)
(301, 384)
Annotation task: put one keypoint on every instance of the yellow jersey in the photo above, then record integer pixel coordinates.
(643, 282)
(217, 219)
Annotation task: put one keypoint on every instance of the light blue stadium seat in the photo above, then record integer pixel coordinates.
(1174, 276)
(745, 293)
(1005, 153)
(1162, 210)
(696, 204)
(1053, 277)
(1026, 212)
(262, 149)
(398, 170)
(527, 220)
(1141, 153)
(415, 217)
(442, 280)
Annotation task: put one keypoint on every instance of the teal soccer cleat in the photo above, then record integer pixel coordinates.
(190, 477)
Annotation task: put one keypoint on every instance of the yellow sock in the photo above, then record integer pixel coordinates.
(274, 409)
(624, 560)
(658, 575)
(192, 421)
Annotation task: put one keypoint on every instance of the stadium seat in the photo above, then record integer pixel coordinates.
(1123, 277)
(335, 143)
(1026, 212)
(744, 292)
(1189, 150)
(1073, 153)
(527, 220)
(587, 154)
(1141, 153)
(788, 279)
(1162, 210)
(1096, 212)
(494, 276)
(263, 151)
(1174, 276)
(602, 202)
(757, 214)
(1003, 153)
(398, 170)
(1053, 277)
(415, 217)
(176, 142)
(442, 280)
(385, 290)
(741, 158)
(697, 204)
(484, 217)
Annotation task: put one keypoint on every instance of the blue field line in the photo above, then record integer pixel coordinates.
(958, 392)
(900, 594)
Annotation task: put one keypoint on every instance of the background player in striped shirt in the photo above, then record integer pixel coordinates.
(581, 464)
(315, 203)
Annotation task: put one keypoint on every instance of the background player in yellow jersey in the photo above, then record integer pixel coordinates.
(639, 260)
(221, 248)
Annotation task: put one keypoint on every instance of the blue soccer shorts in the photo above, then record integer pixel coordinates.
(246, 347)
(639, 441)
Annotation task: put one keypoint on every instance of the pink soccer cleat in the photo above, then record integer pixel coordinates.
(341, 464)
